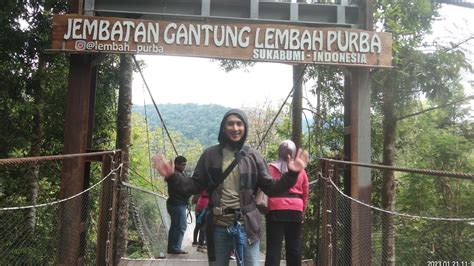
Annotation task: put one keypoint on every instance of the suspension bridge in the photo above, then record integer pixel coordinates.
(33, 235)
(66, 221)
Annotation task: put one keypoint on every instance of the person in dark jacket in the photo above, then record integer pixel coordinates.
(176, 205)
(233, 217)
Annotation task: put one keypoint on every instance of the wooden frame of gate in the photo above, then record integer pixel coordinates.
(284, 31)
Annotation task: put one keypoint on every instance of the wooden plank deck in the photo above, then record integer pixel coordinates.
(193, 258)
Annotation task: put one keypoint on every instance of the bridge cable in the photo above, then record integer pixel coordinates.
(112, 171)
(147, 138)
(163, 137)
(309, 132)
(154, 104)
(467, 176)
(458, 219)
(154, 188)
(281, 107)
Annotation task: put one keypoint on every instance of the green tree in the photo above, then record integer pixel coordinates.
(194, 121)
(25, 85)
(432, 140)
(145, 144)
(416, 73)
(33, 86)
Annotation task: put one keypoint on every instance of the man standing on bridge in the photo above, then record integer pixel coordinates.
(232, 174)
(177, 205)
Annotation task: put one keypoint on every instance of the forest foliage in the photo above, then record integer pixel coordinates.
(193, 121)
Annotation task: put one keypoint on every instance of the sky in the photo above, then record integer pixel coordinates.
(175, 79)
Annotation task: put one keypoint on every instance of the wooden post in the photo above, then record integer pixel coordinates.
(345, 255)
(323, 257)
(361, 182)
(336, 214)
(331, 217)
(87, 165)
(114, 220)
(104, 211)
(72, 172)
(357, 133)
(330, 209)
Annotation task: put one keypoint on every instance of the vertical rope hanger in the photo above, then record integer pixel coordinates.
(154, 104)
(164, 125)
(163, 137)
(281, 107)
(147, 136)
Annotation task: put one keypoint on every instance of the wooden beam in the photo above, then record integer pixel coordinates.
(104, 212)
(361, 184)
(72, 172)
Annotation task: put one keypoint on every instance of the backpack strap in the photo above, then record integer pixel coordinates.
(213, 184)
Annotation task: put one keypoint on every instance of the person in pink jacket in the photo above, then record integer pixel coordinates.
(200, 229)
(286, 212)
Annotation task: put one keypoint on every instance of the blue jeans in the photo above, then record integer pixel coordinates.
(177, 212)
(225, 241)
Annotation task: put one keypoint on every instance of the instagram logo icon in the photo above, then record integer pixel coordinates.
(80, 45)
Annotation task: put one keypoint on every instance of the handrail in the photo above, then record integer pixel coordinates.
(126, 184)
(8, 161)
(468, 176)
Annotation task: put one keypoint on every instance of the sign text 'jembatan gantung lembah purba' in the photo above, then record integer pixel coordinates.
(257, 42)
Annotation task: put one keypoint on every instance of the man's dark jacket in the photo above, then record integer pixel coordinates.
(175, 194)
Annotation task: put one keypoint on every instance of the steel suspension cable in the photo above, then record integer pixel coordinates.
(154, 104)
(327, 179)
(309, 132)
(119, 167)
(11, 161)
(128, 185)
(283, 105)
(153, 187)
(468, 176)
(147, 137)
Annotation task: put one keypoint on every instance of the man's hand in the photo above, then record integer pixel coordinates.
(163, 166)
(299, 162)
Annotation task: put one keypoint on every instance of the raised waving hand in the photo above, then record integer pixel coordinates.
(163, 166)
(299, 162)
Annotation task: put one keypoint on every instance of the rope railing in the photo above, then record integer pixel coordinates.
(33, 220)
(65, 199)
(457, 219)
(421, 226)
(128, 185)
(12, 161)
(468, 176)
